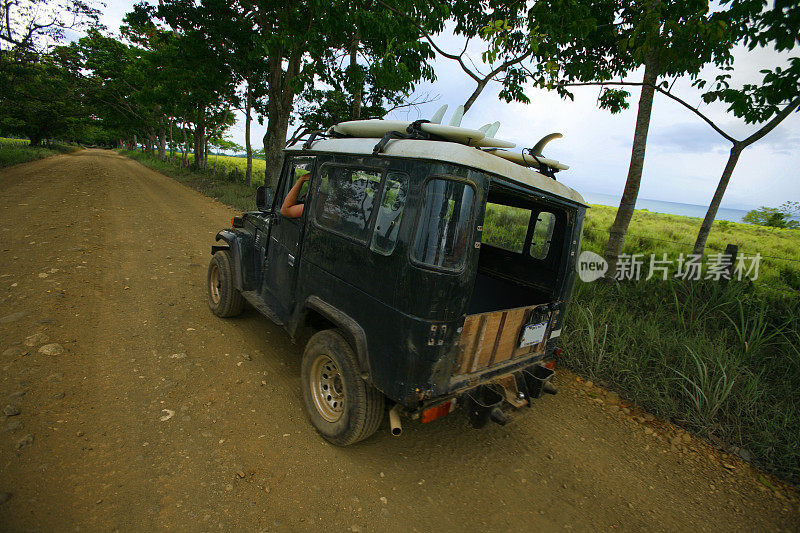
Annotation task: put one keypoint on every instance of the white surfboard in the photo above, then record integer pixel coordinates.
(370, 128)
(439, 115)
(491, 142)
(458, 115)
(528, 160)
(378, 128)
(538, 148)
(453, 133)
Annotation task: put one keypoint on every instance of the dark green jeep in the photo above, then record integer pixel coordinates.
(427, 275)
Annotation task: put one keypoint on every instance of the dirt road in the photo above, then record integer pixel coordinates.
(158, 415)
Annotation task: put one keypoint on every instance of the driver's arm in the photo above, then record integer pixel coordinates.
(290, 207)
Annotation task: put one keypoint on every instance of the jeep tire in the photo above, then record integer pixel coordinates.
(223, 298)
(342, 407)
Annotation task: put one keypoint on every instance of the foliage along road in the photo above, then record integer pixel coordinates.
(159, 415)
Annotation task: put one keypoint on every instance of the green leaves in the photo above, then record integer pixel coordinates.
(775, 217)
(614, 100)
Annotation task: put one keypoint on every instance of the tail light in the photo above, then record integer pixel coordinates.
(429, 415)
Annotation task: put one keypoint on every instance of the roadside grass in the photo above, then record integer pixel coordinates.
(721, 361)
(16, 151)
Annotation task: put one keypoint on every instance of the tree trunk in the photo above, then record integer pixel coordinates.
(248, 146)
(149, 141)
(274, 139)
(279, 110)
(474, 96)
(711, 214)
(358, 87)
(733, 158)
(616, 237)
(171, 143)
(162, 142)
(185, 147)
(199, 137)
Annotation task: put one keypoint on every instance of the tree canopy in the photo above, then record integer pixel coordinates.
(775, 217)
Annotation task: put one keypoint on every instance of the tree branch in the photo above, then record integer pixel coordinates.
(665, 93)
(454, 57)
(769, 126)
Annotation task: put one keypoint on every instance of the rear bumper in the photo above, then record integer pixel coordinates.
(495, 393)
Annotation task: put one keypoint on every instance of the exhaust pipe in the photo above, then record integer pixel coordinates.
(394, 421)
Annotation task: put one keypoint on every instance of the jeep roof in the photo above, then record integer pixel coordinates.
(450, 152)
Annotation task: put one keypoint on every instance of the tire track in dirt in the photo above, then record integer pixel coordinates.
(234, 449)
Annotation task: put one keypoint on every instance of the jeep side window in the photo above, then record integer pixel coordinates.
(444, 224)
(346, 199)
(390, 212)
(298, 167)
(542, 235)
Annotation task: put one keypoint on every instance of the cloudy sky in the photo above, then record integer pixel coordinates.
(685, 157)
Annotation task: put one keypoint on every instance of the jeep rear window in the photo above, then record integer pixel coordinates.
(444, 224)
(346, 199)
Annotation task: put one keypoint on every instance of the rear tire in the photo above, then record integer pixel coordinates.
(223, 298)
(341, 406)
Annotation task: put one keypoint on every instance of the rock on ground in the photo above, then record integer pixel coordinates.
(51, 349)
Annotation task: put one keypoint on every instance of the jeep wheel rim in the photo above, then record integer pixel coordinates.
(214, 284)
(327, 388)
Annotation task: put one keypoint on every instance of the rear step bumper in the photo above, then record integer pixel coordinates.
(486, 402)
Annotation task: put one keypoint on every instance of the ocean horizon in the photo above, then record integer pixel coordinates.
(669, 208)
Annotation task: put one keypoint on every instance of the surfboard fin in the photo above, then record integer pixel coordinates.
(485, 128)
(492, 131)
(539, 147)
(439, 115)
(458, 114)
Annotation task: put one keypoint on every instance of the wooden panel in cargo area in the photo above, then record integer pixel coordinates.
(490, 338)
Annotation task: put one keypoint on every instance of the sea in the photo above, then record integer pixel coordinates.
(670, 208)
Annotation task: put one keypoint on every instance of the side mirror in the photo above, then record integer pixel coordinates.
(264, 197)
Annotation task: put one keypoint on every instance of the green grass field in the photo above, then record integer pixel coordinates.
(672, 234)
(723, 362)
(15, 151)
(228, 163)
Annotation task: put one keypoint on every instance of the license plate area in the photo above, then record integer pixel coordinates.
(494, 337)
(532, 334)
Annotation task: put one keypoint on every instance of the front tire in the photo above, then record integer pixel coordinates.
(341, 406)
(223, 298)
